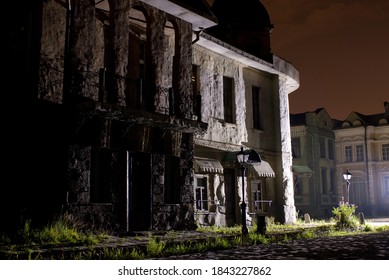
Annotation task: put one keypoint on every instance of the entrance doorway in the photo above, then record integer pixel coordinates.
(230, 190)
(139, 191)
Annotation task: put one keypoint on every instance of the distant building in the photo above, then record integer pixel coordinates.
(324, 149)
(314, 164)
(362, 147)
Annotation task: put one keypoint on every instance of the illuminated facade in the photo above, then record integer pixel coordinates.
(362, 147)
(243, 90)
(324, 149)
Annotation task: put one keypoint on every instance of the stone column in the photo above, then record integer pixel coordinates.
(184, 79)
(81, 47)
(286, 156)
(119, 10)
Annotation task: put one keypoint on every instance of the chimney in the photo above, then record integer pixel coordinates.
(386, 105)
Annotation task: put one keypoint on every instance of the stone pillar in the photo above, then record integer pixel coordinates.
(286, 156)
(187, 190)
(119, 10)
(185, 95)
(79, 174)
(81, 47)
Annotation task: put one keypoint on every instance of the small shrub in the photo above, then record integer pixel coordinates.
(256, 239)
(368, 228)
(307, 234)
(345, 216)
(155, 247)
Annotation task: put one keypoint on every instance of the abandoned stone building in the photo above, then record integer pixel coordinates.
(244, 101)
(131, 113)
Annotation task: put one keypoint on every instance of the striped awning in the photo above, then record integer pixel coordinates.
(264, 169)
(208, 165)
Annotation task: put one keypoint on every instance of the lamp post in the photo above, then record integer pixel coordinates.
(242, 159)
(347, 177)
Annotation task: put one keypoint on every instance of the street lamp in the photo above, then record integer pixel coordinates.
(347, 177)
(242, 159)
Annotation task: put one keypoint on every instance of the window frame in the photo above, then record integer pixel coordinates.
(256, 107)
(360, 153)
(228, 99)
(203, 201)
(348, 153)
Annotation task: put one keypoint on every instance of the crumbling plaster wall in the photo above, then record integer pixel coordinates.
(273, 141)
(212, 69)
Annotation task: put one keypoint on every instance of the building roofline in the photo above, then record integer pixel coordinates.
(279, 67)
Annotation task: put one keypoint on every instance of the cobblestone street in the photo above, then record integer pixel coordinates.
(373, 246)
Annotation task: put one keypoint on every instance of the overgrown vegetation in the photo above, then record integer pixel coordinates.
(345, 217)
(27, 241)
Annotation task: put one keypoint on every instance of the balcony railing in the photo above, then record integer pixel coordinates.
(97, 86)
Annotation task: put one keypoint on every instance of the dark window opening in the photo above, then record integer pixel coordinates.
(256, 96)
(296, 150)
(228, 99)
(324, 180)
(172, 180)
(196, 90)
(100, 182)
(322, 147)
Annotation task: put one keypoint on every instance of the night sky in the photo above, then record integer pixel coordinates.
(341, 49)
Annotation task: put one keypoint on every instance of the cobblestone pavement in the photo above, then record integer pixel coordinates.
(371, 246)
(374, 246)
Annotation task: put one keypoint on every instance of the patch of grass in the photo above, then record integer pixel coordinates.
(220, 238)
(237, 229)
(345, 217)
(155, 248)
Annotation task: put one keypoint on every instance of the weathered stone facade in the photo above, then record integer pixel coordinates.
(260, 120)
(121, 122)
(117, 74)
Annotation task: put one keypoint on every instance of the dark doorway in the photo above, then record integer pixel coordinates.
(231, 205)
(140, 191)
